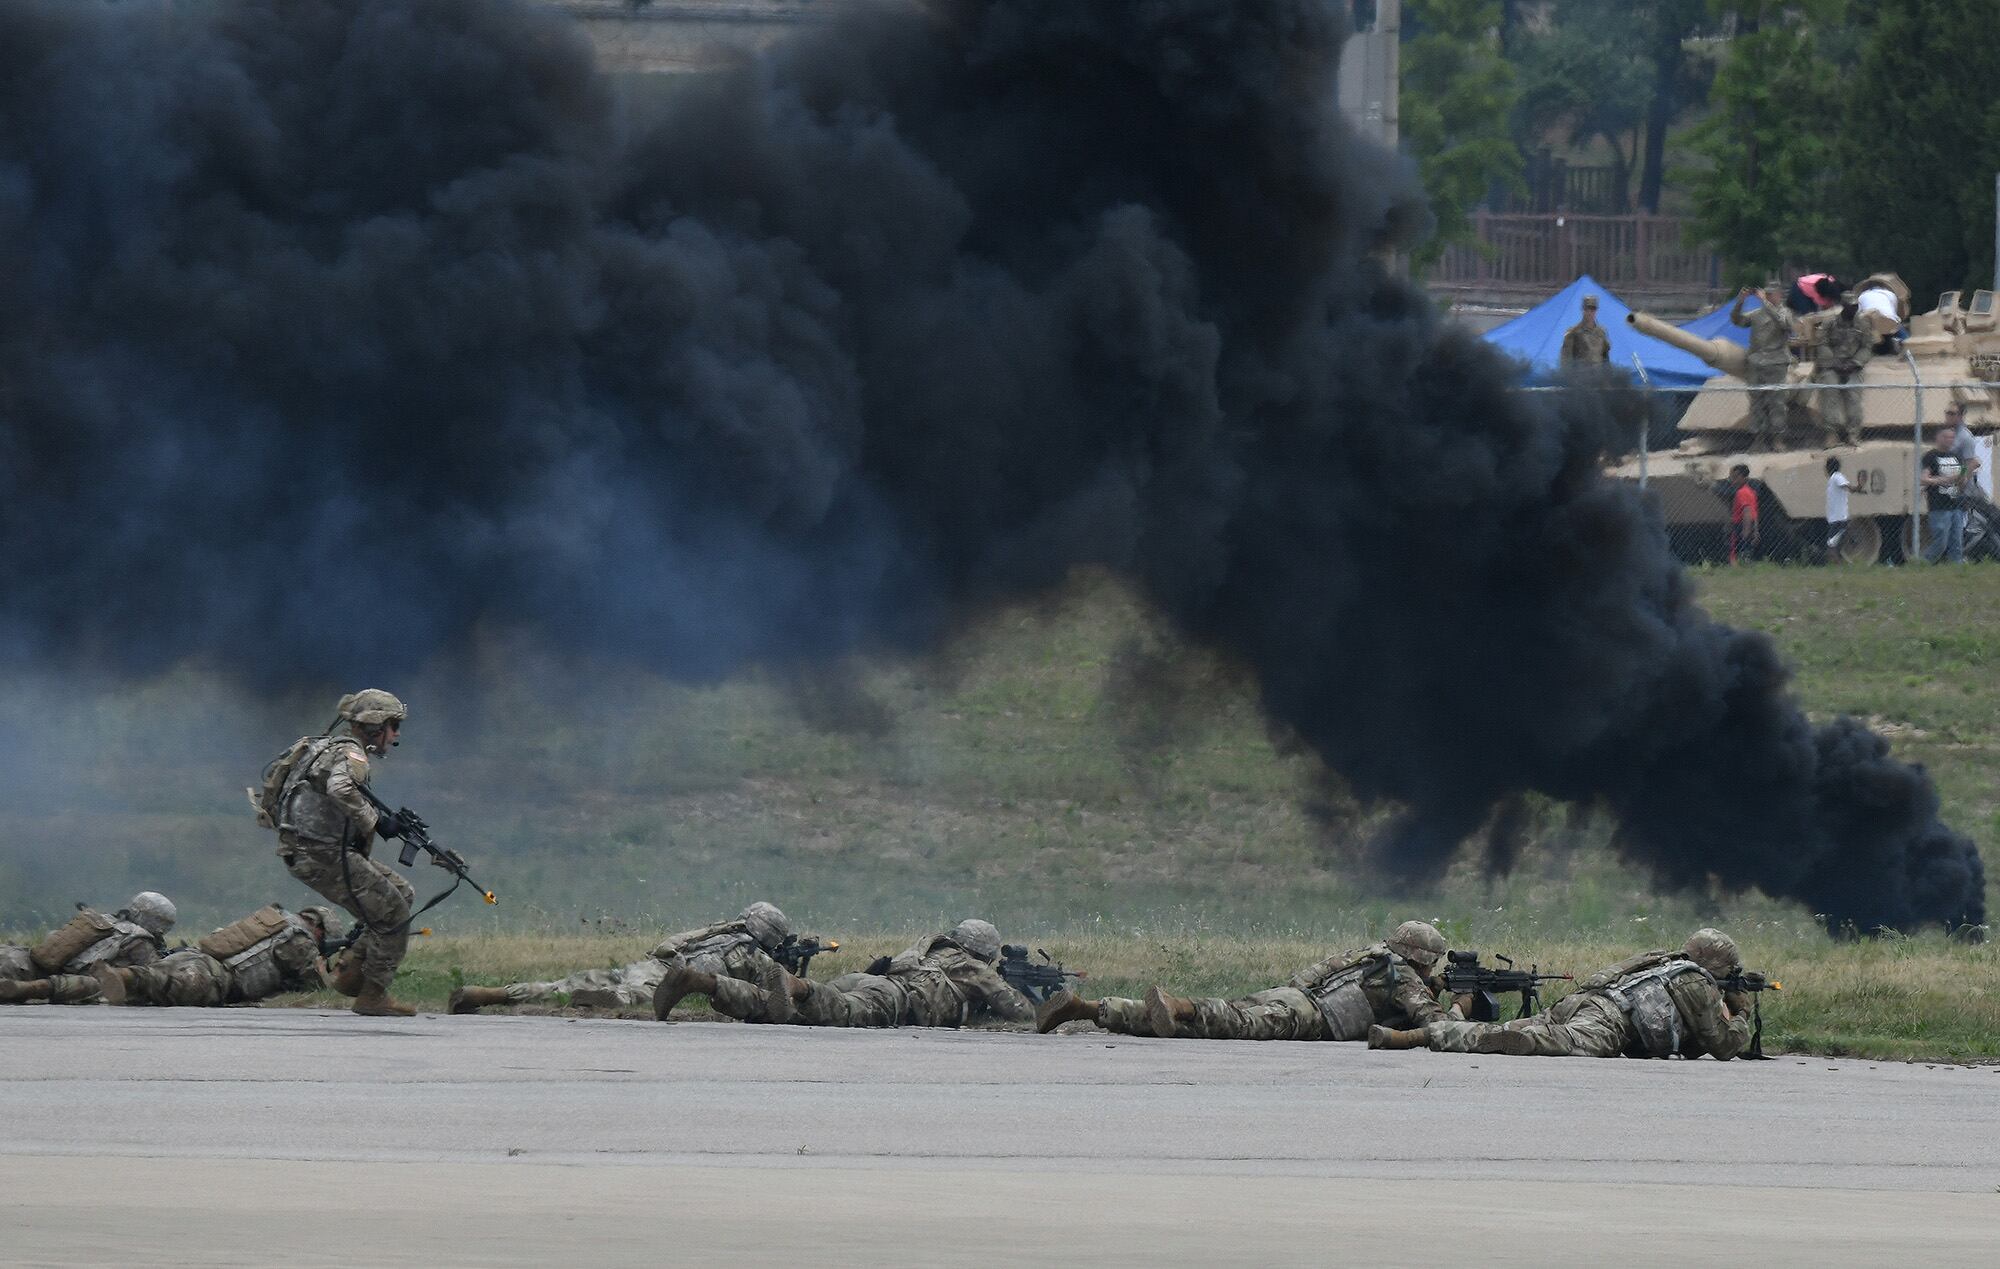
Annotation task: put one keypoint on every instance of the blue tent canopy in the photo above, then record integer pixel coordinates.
(1715, 324)
(1536, 337)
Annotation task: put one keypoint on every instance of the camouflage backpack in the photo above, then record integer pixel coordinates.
(269, 800)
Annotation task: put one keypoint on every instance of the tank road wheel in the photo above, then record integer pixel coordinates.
(1863, 543)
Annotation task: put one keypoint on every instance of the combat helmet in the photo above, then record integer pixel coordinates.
(1419, 943)
(151, 911)
(1714, 951)
(767, 925)
(371, 707)
(326, 918)
(978, 938)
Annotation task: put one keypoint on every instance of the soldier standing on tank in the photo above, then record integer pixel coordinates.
(1655, 1005)
(279, 953)
(326, 830)
(1845, 347)
(1334, 999)
(1770, 361)
(1586, 343)
(58, 969)
(738, 949)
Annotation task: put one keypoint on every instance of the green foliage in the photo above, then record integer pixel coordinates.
(1457, 92)
(1766, 197)
(1922, 143)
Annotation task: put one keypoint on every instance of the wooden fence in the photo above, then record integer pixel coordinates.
(1544, 252)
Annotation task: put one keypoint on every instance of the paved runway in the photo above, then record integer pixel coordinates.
(245, 1136)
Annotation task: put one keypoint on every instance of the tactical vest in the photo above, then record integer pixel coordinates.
(1343, 1001)
(284, 961)
(707, 954)
(113, 947)
(304, 809)
(1656, 1023)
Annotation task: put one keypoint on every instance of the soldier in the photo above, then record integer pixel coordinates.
(58, 969)
(1655, 1004)
(265, 954)
(1845, 346)
(945, 980)
(1770, 361)
(326, 829)
(1586, 343)
(1335, 999)
(738, 949)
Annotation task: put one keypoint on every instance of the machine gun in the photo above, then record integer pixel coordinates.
(795, 953)
(1465, 976)
(1037, 980)
(1755, 982)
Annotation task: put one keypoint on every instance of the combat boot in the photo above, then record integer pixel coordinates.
(680, 981)
(1390, 1038)
(1064, 1006)
(1166, 1013)
(375, 1002)
(111, 982)
(346, 977)
(469, 999)
(16, 992)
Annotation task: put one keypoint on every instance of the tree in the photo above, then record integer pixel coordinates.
(1457, 92)
(1767, 195)
(1921, 143)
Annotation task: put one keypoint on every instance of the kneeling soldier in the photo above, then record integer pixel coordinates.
(58, 969)
(738, 949)
(1336, 999)
(1655, 1004)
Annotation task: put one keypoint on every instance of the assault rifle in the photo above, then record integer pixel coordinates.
(1037, 980)
(1465, 976)
(1756, 982)
(416, 837)
(795, 953)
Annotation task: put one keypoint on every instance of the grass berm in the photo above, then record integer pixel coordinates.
(1072, 772)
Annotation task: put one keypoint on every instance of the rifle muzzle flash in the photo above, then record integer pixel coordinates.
(490, 899)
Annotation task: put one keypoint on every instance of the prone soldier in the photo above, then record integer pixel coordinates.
(58, 969)
(265, 954)
(1338, 998)
(1655, 1004)
(740, 949)
(945, 980)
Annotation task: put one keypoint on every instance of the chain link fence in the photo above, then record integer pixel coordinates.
(1780, 442)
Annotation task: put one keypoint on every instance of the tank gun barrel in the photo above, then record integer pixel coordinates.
(1725, 355)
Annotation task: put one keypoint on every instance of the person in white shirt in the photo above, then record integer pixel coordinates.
(1836, 507)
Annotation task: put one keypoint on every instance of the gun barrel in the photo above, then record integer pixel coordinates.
(1725, 355)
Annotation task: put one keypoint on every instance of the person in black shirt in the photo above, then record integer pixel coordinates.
(1943, 475)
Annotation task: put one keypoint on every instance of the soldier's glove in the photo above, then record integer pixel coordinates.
(389, 825)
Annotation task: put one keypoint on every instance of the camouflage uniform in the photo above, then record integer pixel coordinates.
(935, 983)
(1845, 346)
(285, 961)
(1608, 1015)
(91, 939)
(725, 949)
(1586, 345)
(1770, 361)
(325, 832)
(1397, 994)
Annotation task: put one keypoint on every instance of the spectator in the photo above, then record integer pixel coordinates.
(1586, 343)
(1943, 476)
(1743, 531)
(1836, 507)
(1967, 449)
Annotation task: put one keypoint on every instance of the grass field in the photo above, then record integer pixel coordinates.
(1035, 772)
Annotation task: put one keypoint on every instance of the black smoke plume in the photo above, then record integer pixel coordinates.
(334, 329)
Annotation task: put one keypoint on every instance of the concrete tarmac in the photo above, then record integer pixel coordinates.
(246, 1136)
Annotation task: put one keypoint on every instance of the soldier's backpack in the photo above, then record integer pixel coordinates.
(268, 801)
(241, 936)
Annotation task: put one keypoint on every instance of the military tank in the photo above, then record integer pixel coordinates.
(1951, 354)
